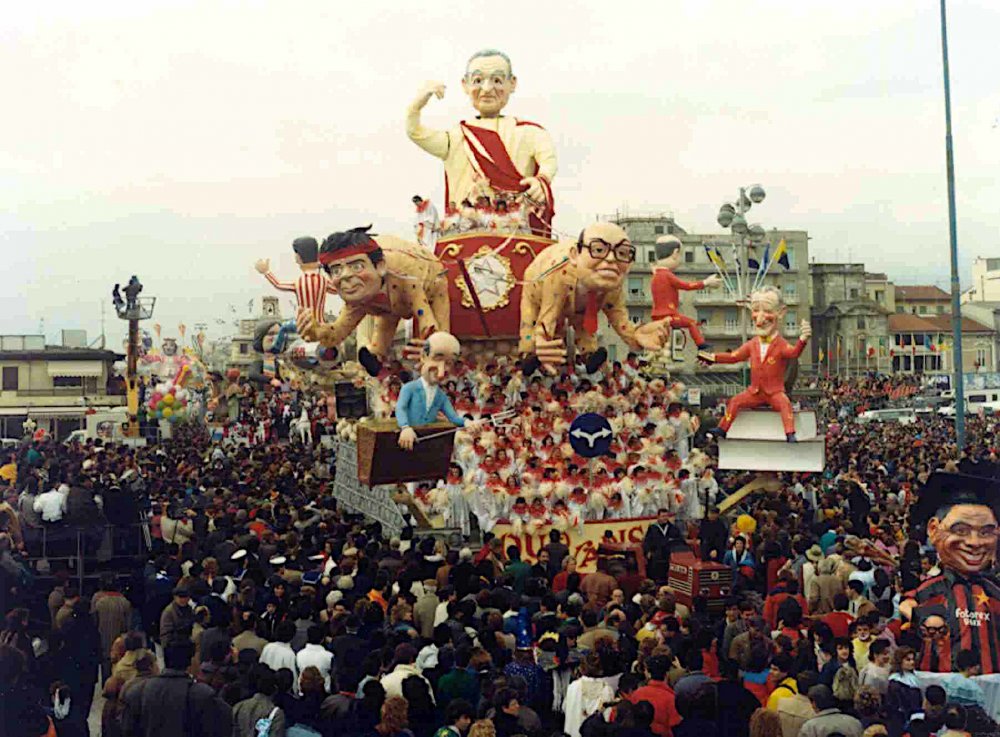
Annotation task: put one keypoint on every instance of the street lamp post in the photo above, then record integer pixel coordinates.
(732, 215)
(956, 294)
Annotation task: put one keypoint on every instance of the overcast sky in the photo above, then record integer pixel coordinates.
(183, 140)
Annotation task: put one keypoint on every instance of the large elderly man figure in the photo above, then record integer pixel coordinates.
(959, 609)
(571, 283)
(422, 400)
(388, 278)
(768, 354)
(491, 152)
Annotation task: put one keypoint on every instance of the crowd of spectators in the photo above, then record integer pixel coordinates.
(261, 608)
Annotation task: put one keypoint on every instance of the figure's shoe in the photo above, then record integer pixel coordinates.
(530, 364)
(370, 362)
(790, 437)
(717, 433)
(596, 359)
(704, 346)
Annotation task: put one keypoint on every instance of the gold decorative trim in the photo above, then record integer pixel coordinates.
(522, 247)
(452, 250)
(503, 299)
(449, 239)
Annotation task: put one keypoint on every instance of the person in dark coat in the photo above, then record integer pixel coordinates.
(78, 657)
(173, 704)
(740, 703)
(714, 536)
(661, 538)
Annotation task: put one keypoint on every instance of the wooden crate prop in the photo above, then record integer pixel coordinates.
(382, 461)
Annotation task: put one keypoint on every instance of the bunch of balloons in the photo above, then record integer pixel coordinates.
(168, 402)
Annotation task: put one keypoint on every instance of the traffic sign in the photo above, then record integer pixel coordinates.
(591, 435)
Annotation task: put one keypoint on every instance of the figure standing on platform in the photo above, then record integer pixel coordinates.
(312, 287)
(132, 290)
(388, 278)
(490, 150)
(421, 400)
(665, 286)
(427, 224)
(768, 354)
(573, 283)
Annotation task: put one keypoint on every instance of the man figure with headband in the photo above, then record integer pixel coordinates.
(388, 278)
(768, 354)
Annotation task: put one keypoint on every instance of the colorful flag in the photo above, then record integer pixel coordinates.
(871, 351)
(840, 352)
(781, 254)
(821, 355)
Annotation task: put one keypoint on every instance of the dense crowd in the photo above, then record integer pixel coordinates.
(261, 608)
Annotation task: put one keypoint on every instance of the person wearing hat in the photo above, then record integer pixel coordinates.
(959, 513)
(814, 554)
(177, 619)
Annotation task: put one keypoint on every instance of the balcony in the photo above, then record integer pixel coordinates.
(61, 397)
(725, 330)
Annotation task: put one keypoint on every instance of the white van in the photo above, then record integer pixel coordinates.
(902, 415)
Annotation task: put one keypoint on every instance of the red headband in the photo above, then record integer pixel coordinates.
(359, 249)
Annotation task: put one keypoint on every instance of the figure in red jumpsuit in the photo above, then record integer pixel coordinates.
(665, 286)
(768, 354)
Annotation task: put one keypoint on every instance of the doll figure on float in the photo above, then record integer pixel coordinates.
(312, 287)
(666, 287)
(768, 354)
(571, 283)
(422, 399)
(387, 278)
(492, 155)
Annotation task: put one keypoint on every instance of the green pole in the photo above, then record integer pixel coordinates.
(956, 297)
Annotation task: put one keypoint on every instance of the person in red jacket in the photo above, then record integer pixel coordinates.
(839, 619)
(665, 286)
(768, 354)
(659, 695)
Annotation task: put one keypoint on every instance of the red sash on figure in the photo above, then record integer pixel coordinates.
(490, 156)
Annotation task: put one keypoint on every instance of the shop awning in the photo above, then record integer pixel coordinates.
(75, 368)
(73, 412)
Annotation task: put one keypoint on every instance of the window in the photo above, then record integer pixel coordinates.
(940, 309)
(854, 293)
(652, 255)
(730, 319)
(980, 361)
(861, 322)
(244, 349)
(922, 309)
(791, 320)
(688, 256)
(657, 230)
(789, 289)
(977, 398)
(10, 378)
(879, 296)
(67, 381)
(635, 286)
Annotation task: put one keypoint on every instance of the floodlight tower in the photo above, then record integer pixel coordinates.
(132, 308)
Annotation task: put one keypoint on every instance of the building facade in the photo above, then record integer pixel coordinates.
(850, 327)
(56, 386)
(716, 311)
(985, 281)
(924, 345)
(922, 300)
(881, 291)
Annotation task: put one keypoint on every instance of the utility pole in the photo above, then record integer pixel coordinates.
(956, 294)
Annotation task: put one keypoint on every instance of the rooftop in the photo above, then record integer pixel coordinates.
(904, 323)
(921, 292)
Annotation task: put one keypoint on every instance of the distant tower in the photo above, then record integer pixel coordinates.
(270, 307)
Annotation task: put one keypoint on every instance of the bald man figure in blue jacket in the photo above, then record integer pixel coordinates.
(421, 400)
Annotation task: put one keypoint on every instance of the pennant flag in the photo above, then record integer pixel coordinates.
(715, 257)
(821, 355)
(766, 261)
(781, 254)
(871, 351)
(840, 352)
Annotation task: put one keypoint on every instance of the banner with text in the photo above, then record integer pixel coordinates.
(583, 547)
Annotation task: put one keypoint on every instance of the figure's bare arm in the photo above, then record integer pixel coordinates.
(434, 142)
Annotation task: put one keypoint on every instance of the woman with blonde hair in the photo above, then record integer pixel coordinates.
(765, 723)
(482, 728)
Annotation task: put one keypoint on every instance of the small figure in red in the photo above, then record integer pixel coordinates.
(768, 354)
(665, 286)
